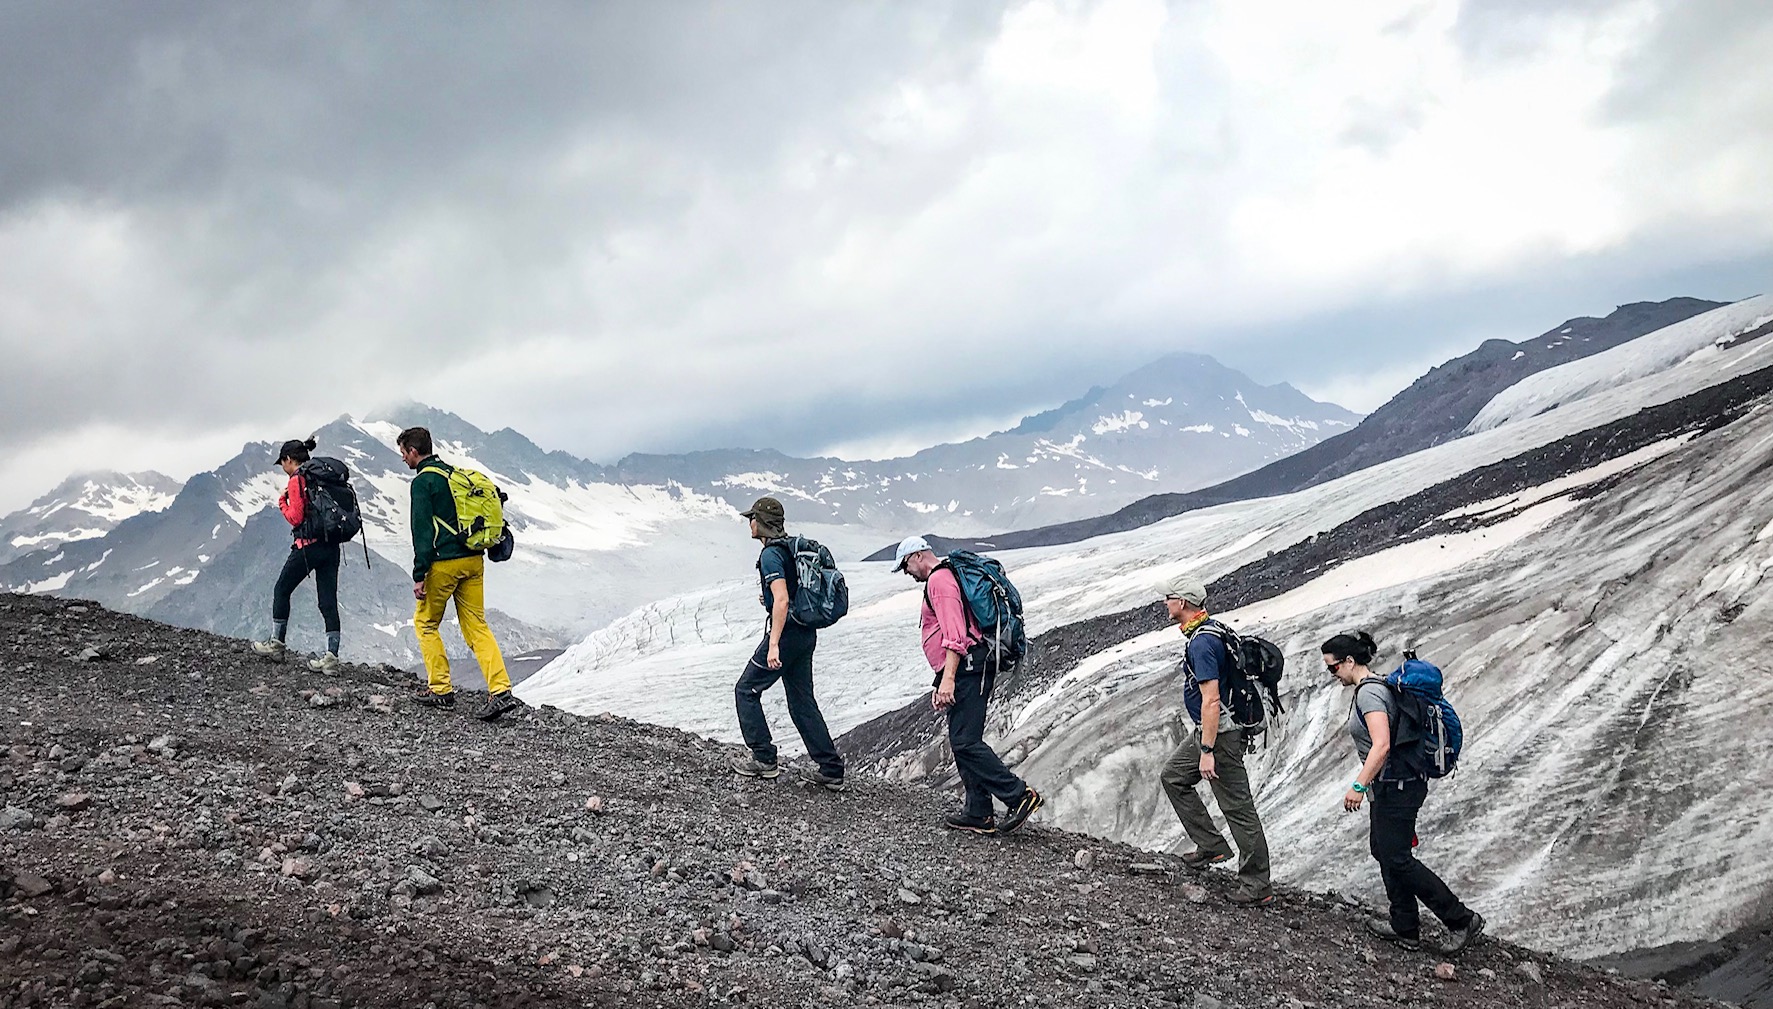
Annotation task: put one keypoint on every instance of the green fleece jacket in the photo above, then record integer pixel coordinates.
(433, 518)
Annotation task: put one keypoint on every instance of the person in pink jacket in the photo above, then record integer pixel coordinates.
(308, 554)
(957, 653)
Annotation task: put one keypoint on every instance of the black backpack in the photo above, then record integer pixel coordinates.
(331, 512)
(1256, 667)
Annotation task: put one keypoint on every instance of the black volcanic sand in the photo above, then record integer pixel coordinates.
(182, 824)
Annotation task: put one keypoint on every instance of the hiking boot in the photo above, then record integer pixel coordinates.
(274, 650)
(1198, 860)
(1382, 928)
(751, 767)
(1243, 896)
(972, 824)
(1018, 814)
(327, 663)
(496, 705)
(814, 776)
(442, 702)
(1459, 939)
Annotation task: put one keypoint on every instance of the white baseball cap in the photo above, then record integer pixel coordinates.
(912, 545)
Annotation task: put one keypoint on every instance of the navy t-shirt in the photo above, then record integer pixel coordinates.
(772, 565)
(1202, 661)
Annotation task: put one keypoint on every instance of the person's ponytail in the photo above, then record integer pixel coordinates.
(1356, 645)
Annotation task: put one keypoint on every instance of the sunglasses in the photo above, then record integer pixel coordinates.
(1332, 667)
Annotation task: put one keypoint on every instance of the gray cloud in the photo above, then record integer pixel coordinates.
(635, 226)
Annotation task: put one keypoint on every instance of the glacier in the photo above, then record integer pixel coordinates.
(1595, 628)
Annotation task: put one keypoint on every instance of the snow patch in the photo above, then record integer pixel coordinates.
(146, 587)
(1563, 485)
(63, 536)
(257, 493)
(50, 584)
(1399, 565)
(1294, 424)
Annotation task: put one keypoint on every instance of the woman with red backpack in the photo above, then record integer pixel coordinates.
(1397, 794)
(309, 554)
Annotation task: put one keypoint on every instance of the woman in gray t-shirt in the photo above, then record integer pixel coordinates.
(1372, 717)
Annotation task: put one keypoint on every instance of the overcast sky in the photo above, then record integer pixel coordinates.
(853, 227)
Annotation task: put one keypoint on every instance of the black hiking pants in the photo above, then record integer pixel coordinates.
(796, 675)
(1394, 807)
(322, 559)
(982, 772)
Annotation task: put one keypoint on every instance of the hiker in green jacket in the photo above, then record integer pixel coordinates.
(445, 568)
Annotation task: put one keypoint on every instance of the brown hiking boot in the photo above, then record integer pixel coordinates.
(1198, 860)
(1243, 896)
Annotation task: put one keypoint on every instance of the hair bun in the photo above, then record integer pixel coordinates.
(310, 444)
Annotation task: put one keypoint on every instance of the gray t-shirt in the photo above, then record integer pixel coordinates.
(1369, 696)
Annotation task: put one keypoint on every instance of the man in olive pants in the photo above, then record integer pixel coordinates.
(1213, 752)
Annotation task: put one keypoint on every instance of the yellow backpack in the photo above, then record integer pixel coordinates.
(480, 507)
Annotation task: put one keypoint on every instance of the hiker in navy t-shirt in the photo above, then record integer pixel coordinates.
(1213, 751)
(785, 654)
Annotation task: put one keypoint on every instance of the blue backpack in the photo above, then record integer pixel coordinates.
(993, 601)
(817, 594)
(1427, 737)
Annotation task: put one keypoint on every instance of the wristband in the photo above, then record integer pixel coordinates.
(1362, 789)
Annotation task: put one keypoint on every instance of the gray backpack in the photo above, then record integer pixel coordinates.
(817, 595)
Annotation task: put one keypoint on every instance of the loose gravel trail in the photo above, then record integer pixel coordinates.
(182, 824)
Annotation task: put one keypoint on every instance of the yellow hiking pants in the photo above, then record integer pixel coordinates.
(463, 580)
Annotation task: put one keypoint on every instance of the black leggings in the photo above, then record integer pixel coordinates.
(323, 560)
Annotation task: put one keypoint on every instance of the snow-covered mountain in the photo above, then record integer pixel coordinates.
(208, 558)
(598, 541)
(1590, 575)
(85, 506)
(1182, 422)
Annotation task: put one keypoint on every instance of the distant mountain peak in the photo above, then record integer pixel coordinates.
(86, 505)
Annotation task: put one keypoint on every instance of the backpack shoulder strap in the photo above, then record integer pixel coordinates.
(1226, 635)
(791, 568)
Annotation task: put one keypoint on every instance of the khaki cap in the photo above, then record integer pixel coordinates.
(1186, 588)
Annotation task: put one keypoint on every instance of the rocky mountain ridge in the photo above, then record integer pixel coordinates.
(598, 541)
